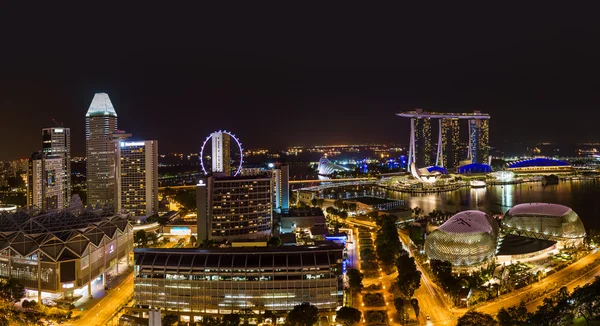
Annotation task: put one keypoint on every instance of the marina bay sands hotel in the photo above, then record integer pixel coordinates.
(449, 153)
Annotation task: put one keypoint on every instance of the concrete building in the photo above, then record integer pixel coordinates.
(44, 182)
(234, 208)
(137, 180)
(193, 283)
(100, 123)
(56, 142)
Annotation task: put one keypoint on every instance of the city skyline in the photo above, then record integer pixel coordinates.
(381, 164)
(338, 82)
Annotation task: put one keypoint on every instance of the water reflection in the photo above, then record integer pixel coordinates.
(581, 195)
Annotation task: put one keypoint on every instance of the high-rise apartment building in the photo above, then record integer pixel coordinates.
(221, 153)
(234, 208)
(56, 142)
(44, 182)
(100, 123)
(137, 181)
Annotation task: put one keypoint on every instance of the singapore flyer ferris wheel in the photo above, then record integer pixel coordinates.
(222, 152)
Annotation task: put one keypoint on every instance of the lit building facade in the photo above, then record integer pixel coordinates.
(45, 187)
(60, 254)
(56, 142)
(450, 140)
(422, 143)
(234, 208)
(137, 182)
(218, 281)
(448, 145)
(479, 136)
(281, 174)
(100, 123)
(221, 153)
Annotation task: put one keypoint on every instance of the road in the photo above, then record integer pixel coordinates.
(429, 295)
(430, 298)
(431, 303)
(105, 308)
(509, 300)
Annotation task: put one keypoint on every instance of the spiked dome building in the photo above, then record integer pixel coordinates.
(61, 254)
(468, 240)
(545, 221)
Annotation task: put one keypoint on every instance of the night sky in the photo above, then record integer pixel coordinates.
(282, 76)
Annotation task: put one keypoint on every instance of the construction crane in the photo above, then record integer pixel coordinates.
(58, 124)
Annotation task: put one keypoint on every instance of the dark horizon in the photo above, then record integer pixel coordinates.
(280, 77)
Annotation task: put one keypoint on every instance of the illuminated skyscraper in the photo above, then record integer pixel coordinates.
(221, 153)
(56, 142)
(449, 152)
(450, 140)
(100, 123)
(479, 136)
(422, 134)
(137, 183)
(44, 182)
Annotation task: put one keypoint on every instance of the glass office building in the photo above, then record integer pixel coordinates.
(219, 281)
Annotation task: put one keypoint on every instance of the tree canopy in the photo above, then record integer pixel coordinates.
(355, 278)
(348, 316)
(409, 278)
(476, 318)
(303, 314)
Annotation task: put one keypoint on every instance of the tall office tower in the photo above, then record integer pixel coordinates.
(281, 174)
(221, 154)
(479, 131)
(422, 134)
(56, 142)
(138, 177)
(100, 123)
(450, 135)
(44, 182)
(234, 208)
